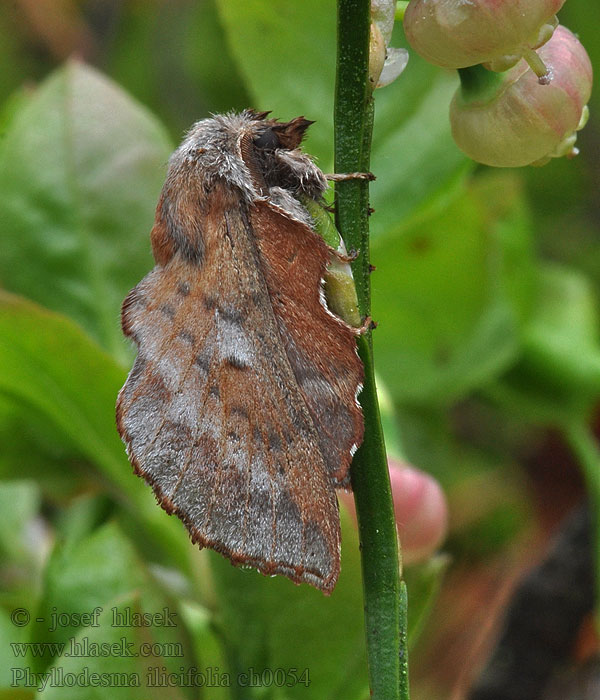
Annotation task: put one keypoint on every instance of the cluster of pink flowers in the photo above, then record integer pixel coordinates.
(525, 80)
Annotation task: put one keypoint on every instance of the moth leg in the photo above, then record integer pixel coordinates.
(367, 325)
(342, 177)
(348, 257)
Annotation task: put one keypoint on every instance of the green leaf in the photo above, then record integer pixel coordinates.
(82, 575)
(208, 62)
(24, 542)
(557, 378)
(414, 157)
(563, 336)
(191, 71)
(19, 503)
(209, 650)
(286, 54)
(423, 582)
(389, 422)
(81, 167)
(81, 517)
(267, 623)
(48, 362)
(485, 490)
(102, 577)
(31, 449)
(451, 292)
(12, 106)
(10, 634)
(117, 675)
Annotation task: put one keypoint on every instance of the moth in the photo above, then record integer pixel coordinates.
(241, 407)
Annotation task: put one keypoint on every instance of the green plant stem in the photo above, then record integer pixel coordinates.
(585, 447)
(384, 611)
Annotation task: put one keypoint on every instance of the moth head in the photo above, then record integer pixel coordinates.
(257, 155)
(271, 151)
(273, 135)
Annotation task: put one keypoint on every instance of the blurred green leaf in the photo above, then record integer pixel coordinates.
(209, 650)
(81, 167)
(267, 623)
(286, 54)
(389, 422)
(133, 678)
(208, 61)
(186, 71)
(81, 575)
(31, 449)
(47, 361)
(19, 504)
(451, 293)
(84, 514)
(141, 31)
(423, 583)
(10, 634)
(414, 157)
(564, 193)
(563, 336)
(12, 106)
(557, 378)
(487, 496)
(104, 571)
(24, 544)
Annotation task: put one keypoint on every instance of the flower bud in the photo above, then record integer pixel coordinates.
(385, 62)
(455, 34)
(510, 119)
(421, 512)
(420, 509)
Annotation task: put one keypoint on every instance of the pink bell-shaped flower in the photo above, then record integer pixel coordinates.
(510, 119)
(455, 34)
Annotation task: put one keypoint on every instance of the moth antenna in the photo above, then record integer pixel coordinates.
(291, 133)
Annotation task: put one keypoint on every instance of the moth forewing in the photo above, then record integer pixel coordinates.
(240, 409)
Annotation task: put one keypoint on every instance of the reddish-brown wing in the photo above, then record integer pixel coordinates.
(320, 348)
(213, 414)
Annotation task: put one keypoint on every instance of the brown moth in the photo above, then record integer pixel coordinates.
(240, 410)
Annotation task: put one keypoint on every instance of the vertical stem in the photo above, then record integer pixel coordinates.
(384, 617)
(404, 693)
(353, 122)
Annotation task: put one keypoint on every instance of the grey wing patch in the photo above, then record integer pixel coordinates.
(210, 427)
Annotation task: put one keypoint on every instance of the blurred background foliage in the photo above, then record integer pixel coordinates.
(486, 293)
